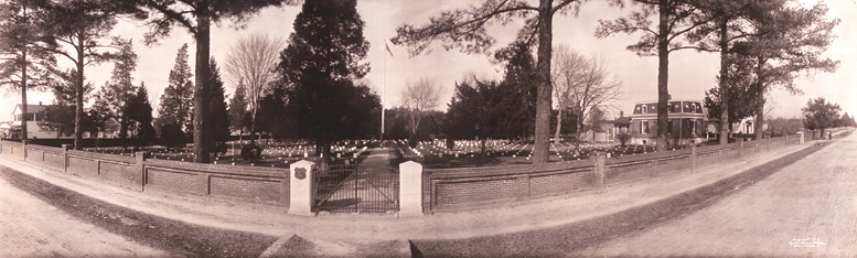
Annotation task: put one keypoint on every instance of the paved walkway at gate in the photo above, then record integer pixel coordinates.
(371, 189)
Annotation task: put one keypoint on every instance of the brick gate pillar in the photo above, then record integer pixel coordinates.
(410, 189)
(141, 157)
(301, 188)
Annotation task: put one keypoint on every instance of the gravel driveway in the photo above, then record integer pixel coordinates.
(30, 227)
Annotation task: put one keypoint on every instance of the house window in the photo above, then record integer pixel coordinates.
(644, 127)
(645, 109)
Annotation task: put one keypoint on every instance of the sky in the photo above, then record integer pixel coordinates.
(691, 73)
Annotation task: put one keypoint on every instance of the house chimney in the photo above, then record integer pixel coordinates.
(40, 103)
(621, 114)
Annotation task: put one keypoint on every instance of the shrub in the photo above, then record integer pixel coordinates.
(623, 137)
(172, 136)
(251, 152)
(218, 149)
(412, 141)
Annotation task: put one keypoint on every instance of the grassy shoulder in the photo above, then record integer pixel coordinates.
(175, 237)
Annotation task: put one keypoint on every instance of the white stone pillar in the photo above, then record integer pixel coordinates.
(800, 137)
(302, 192)
(410, 189)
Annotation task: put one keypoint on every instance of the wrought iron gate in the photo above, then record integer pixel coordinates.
(353, 188)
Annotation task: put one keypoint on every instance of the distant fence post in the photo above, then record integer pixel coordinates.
(693, 157)
(741, 150)
(141, 178)
(410, 189)
(301, 188)
(65, 148)
(600, 168)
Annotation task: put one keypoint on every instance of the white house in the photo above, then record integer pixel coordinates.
(747, 126)
(31, 118)
(686, 121)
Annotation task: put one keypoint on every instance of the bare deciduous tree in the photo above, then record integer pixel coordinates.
(568, 67)
(253, 60)
(420, 96)
(582, 85)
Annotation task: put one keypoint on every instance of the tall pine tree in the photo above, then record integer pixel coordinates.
(24, 50)
(82, 26)
(120, 89)
(177, 101)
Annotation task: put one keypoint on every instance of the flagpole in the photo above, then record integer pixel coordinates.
(383, 97)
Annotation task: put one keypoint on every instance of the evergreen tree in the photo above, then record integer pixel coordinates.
(474, 112)
(120, 89)
(519, 89)
(740, 97)
(791, 40)
(138, 111)
(323, 58)
(844, 121)
(270, 116)
(177, 101)
(820, 114)
(217, 111)
(81, 25)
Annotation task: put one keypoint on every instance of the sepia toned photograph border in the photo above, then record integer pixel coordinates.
(428, 128)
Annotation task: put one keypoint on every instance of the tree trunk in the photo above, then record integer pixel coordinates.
(760, 120)
(760, 109)
(479, 162)
(544, 87)
(200, 94)
(123, 129)
(663, 74)
(724, 87)
(558, 126)
(579, 131)
(24, 96)
(253, 125)
(78, 94)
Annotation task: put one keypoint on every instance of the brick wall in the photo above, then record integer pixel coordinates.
(473, 188)
(242, 184)
(451, 190)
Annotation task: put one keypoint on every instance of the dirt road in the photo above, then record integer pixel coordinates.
(808, 209)
(29, 227)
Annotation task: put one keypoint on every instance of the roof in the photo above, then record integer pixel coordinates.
(32, 109)
(622, 120)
